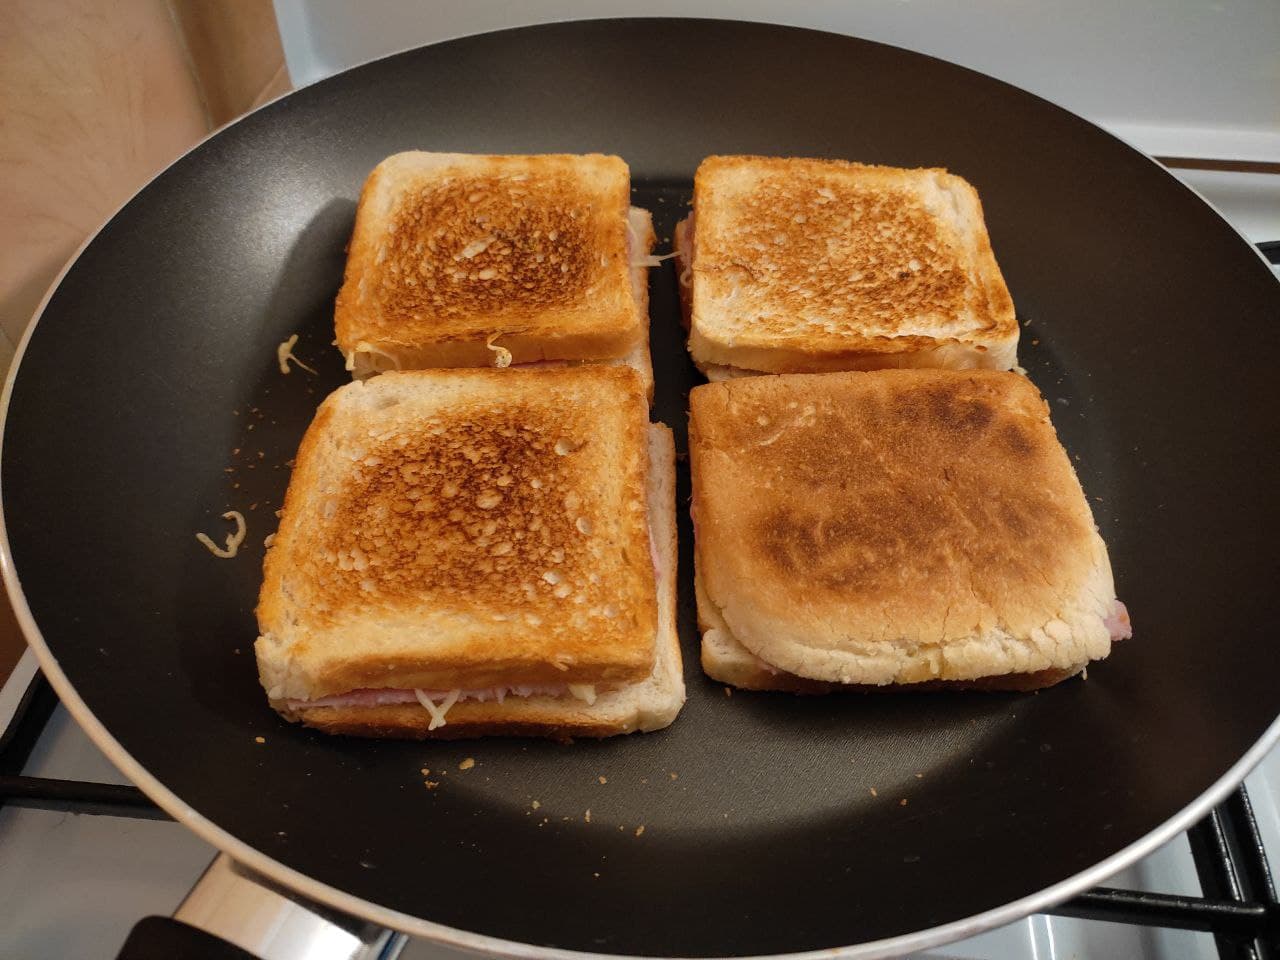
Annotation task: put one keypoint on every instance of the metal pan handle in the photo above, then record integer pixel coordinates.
(234, 914)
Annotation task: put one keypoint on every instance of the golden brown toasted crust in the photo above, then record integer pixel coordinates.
(649, 705)
(451, 252)
(895, 526)
(468, 529)
(812, 265)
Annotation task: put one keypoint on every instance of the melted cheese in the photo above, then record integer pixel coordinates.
(585, 692)
(233, 539)
(502, 356)
(437, 711)
(284, 353)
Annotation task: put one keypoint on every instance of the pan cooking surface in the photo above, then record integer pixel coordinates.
(149, 401)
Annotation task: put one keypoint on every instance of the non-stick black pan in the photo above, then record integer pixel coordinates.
(148, 401)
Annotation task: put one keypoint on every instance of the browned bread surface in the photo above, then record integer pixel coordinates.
(452, 252)
(647, 705)
(464, 529)
(812, 265)
(895, 526)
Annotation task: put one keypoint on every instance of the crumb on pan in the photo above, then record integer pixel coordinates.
(431, 784)
(233, 539)
(467, 764)
(603, 779)
(902, 802)
(535, 804)
(873, 792)
(640, 830)
(259, 739)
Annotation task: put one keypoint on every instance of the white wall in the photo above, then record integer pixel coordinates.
(1176, 77)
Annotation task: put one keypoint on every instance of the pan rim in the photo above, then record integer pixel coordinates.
(442, 934)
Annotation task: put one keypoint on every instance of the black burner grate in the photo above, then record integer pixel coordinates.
(1239, 906)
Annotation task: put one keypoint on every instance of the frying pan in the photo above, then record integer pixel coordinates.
(148, 401)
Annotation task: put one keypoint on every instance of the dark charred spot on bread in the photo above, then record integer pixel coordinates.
(1016, 441)
(487, 245)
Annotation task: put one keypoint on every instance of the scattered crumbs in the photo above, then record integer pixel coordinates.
(675, 776)
(1064, 401)
(444, 773)
(467, 764)
(535, 804)
(587, 816)
(644, 779)
(595, 874)
(1099, 499)
(228, 469)
(259, 739)
(253, 506)
(235, 452)
(919, 776)
(236, 650)
(1084, 674)
(235, 486)
(564, 819)
(1035, 343)
(873, 792)
(426, 772)
(432, 784)
(251, 426)
(640, 830)
(235, 413)
(728, 691)
(603, 779)
(1026, 322)
(546, 819)
(902, 802)
(261, 455)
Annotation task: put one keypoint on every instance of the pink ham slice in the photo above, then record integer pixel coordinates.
(385, 697)
(1118, 623)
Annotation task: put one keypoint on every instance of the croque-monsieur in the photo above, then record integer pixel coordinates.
(804, 266)
(461, 260)
(467, 552)
(892, 527)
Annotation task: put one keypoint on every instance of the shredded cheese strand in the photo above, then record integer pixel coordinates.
(284, 353)
(233, 539)
(501, 355)
(437, 711)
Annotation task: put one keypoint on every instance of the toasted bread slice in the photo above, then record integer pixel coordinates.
(893, 527)
(464, 530)
(647, 705)
(455, 258)
(818, 265)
